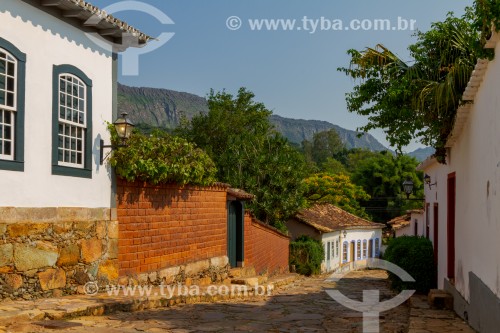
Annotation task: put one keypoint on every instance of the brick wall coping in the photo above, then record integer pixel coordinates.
(215, 187)
(263, 225)
(54, 214)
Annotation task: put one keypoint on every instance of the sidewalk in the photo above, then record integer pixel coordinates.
(424, 319)
(102, 304)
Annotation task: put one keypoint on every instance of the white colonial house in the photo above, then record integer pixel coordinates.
(463, 201)
(57, 91)
(410, 224)
(346, 238)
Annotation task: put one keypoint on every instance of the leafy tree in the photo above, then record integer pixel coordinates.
(326, 144)
(306, 254)
(416, 99)
(337, 190)
(332, 166)
(382, 176)
(249, 154)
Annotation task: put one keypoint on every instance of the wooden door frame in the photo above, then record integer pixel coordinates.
(451, 207)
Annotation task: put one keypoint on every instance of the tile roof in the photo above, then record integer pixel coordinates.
(328, 218)
(90, 17)
(240, 194)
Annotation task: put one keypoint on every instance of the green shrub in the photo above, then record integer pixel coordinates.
(161, 158)
(416, 256)
(306, 254)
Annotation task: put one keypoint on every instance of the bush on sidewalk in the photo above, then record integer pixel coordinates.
(416, 256)
(306, 254)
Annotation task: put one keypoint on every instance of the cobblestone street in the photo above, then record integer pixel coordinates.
(302, 307)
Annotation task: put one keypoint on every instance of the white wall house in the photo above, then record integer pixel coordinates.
(57, 91)
(412, 223)
(463, 201)
(346, 238)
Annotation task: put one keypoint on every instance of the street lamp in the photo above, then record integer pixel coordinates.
(124, 128)
(408, 187)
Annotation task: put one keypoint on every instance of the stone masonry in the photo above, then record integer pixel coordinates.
(48, 252)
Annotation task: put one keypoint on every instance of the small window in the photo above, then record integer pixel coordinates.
(358, 250)
(365, 248)
(377, 248)
(328, 251)
(337, 248)
(345, 248)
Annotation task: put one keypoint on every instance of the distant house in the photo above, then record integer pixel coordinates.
(345, 237)
(463, 201)
(410, 224)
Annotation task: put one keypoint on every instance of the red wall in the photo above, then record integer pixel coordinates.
(168, 225)
(266, 249)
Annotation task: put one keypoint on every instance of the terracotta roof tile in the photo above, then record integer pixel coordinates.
(328, 218)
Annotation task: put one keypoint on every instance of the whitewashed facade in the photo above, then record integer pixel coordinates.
(464, 212)
(41, 164)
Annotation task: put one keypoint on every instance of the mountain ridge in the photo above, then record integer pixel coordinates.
(159, 107)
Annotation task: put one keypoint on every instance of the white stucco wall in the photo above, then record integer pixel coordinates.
(438, 194)
(476, 159)
(334, 262)
(48, 41)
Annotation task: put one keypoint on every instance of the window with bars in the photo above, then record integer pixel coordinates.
(8, 87)
(345, 248)
(365, 248)
(358, 250)
(72, 121)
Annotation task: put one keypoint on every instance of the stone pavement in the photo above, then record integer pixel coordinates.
(303, 306)
(423, 319)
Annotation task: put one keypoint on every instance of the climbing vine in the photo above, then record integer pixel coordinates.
(161, 158)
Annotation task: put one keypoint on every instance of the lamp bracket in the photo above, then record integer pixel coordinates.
(102, 157)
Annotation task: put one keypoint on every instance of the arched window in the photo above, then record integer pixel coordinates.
(365, 248)
(358, 250)
(345, 248)
(377, 248)
(72, 131)
(12, 85)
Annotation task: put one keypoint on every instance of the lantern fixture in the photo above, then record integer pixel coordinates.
(124, 128)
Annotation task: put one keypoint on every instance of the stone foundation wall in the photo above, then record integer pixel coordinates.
(48, 252)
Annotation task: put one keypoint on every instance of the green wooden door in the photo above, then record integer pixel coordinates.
(231, 234)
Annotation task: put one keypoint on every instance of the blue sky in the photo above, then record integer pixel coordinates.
(292, 72)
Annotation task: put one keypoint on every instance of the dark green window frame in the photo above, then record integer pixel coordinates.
(18, 163)
(57, 169)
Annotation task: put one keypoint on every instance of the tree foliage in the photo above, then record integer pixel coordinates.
(249, 154)
(306, 254)
(417, 99)
(382, 176)
(324, 145)
(161, 158)
(337, 190)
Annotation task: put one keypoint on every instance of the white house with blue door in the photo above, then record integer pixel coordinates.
(346, 238)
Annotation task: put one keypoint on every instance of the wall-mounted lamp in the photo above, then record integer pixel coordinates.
(408, 187)
(427, 180)
(124, 128)
(345, 233)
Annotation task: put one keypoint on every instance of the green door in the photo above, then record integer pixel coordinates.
(235, 216)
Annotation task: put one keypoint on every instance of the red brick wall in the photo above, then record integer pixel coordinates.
(164, 226)
(266, 249)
